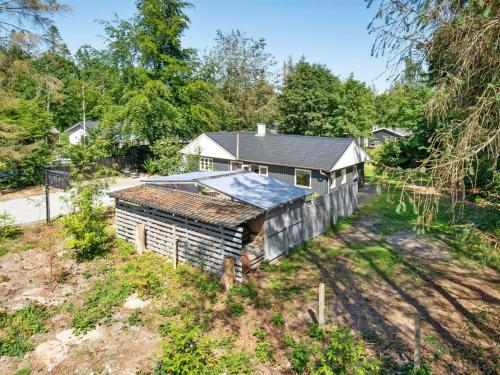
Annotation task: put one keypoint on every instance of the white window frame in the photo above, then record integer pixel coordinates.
(343, 176)
(333, 180)
(206, 164)
(310, 177)
(236, 162)
(260, 170)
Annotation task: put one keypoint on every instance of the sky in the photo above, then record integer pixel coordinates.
(330, 32)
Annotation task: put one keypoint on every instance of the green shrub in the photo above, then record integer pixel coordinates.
(288, 341)
(236, 308)
(300, 357)
(260, 334)
(8, 230)
(245, 290)
(345, 354)
(23, 371)
(17, 328)
(86, 226)
(185, 352)
(263, 351)
(315, 332)
(278, 320)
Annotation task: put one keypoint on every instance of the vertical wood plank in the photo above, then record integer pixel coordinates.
(416, 355)
(140, 238)
(228, 273)
(321, 305)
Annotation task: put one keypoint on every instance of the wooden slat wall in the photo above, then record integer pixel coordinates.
(200, 244)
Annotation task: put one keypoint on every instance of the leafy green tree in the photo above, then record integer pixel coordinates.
(240, 68)
(308, 100)
(354, 114)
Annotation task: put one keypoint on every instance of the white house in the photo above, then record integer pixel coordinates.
(77, 131)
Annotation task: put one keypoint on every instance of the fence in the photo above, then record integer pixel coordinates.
(200, 244)
(321, 213)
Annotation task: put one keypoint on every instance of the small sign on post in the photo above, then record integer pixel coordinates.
(321, 306)
(57, 178)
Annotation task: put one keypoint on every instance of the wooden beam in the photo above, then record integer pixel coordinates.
(228, 273)
(140, 239)
(321, 306)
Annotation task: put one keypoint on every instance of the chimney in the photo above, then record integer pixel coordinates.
(261, 130)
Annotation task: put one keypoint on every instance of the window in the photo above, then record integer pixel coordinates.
(303, 178)
(343, 178)
(263, 170)
(235, 165)
(206, 164)
(333, 180)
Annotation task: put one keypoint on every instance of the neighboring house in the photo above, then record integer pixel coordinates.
(79, 130)
(385, 134)
(203, 218)
(321, 164)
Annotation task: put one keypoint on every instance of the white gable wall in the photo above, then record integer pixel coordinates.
(207, 147)
(352, 155)
(75, 137)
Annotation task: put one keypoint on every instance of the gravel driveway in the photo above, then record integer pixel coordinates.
(31, 209)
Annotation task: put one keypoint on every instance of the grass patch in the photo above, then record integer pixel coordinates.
(142, 274)
(17, 328)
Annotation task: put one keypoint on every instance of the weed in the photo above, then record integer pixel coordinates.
(264, 351)
(260, 334)
(345, 354)
(134, 319)
(87, 274)
(245, 290)
(8, 231)
(170, 312)
(236, 308)
(278, 320)
(23, 371)
(316, 332)
(17, 328)
(288, 341)
(124, 248)
(439, 348)
(3, 250)
(300, 357)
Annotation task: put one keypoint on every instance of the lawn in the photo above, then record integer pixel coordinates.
(124, 313)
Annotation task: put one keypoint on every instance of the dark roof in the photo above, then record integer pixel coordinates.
(400, 132)
(89, 124)
(190, 205)
(284, 149)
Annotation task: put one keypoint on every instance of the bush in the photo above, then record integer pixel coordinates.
(186, 352)
(8, 230)
(300, 357)
(17, 328)
(345, 354)
(263, 351)
(315, 332)
(278, 320)
(87, 225)
(236, 309)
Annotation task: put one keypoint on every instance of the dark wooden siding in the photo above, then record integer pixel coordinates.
(319, 182)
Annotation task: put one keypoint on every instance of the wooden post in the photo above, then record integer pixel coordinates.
(321, 306)
(228, 273)
(416, 354)
(47, 200)
(140, 239)
(176, 252)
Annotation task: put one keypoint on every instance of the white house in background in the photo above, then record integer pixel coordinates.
(79, 130)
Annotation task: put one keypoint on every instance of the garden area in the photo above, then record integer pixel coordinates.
(120, 312)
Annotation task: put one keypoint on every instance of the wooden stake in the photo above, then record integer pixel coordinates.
(228, 273)
(176, 252)
(416, 354)
(321, 306)
(140, 239)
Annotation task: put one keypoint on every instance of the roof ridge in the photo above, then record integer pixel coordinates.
(281, 134)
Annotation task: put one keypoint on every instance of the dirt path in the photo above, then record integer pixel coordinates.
(459, 305)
